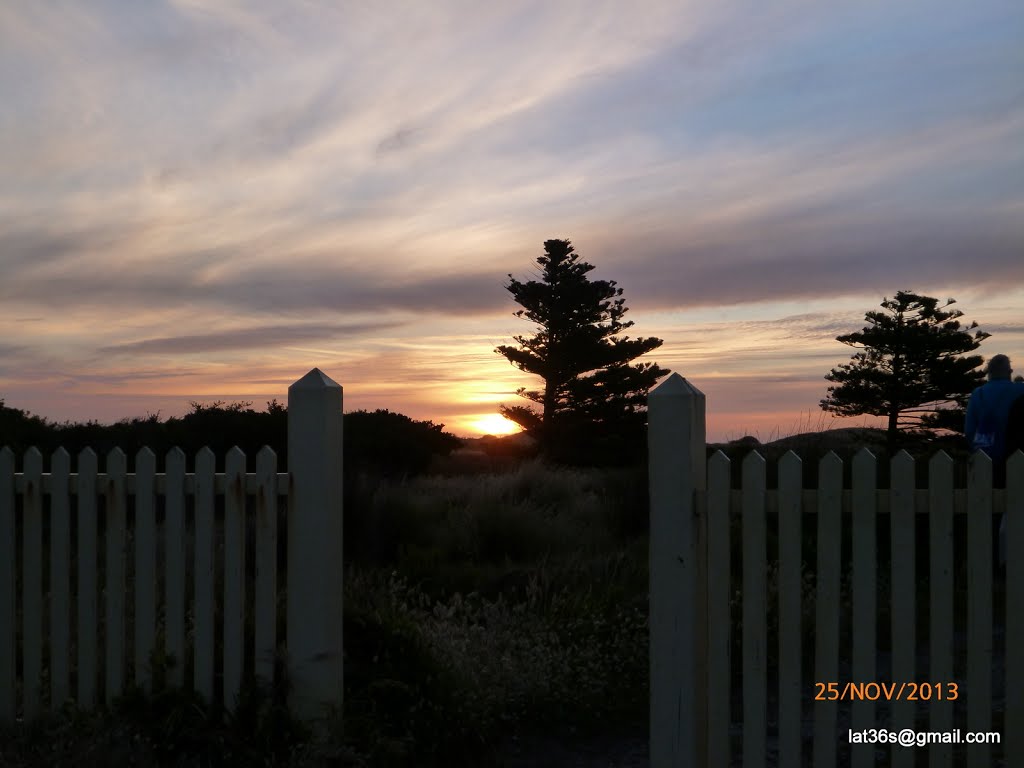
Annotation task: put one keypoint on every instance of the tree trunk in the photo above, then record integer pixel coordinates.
(893, 432)
(546, 419)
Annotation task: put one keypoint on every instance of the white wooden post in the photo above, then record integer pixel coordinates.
(678, 632)
(8, 594)
(314, 632)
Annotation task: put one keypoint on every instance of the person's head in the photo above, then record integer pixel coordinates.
(999, 368)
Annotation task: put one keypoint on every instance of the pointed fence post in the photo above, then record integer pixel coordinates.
(314, 631)
(678, 615)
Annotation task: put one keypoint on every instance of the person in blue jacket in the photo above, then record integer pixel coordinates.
(989, 408)
(988, 412)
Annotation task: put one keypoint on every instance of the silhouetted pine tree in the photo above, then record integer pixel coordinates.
(912, 364)
(593, 404)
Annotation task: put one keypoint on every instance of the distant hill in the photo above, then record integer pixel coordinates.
(844, 442)
(520, 441)
(838, 440)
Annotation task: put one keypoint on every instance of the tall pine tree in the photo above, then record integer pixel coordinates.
(912, 368)
(593, 396)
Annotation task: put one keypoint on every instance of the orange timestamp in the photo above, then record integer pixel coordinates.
(872, 691)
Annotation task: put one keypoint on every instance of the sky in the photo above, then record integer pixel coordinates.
(204, 199)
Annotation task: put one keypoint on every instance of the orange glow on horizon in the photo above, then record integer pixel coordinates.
(493, 424)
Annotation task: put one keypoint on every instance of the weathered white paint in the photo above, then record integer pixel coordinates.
(315, 543)
(676, 440)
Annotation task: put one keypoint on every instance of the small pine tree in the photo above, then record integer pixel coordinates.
(913, 368)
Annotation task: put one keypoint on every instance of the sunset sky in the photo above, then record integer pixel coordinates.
(204, 199)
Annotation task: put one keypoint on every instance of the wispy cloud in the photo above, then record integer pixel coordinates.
(243, 338)
(190, 178)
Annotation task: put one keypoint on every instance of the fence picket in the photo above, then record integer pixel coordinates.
(940, 516)
(265, 597)
(87, 601)
(204, 648)
(32, 585)
(1014, 722)
(902, 611)
(719, 619)
(830, 490)
(979, 605)
(677, 469)
(60, 576)
(234, 574)
(864, 580)
(145, 565)
(8, 587)
(790, 607)
(174, 566)
(114, 582)
(755, 573)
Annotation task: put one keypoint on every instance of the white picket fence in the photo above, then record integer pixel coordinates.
(78, 639)
(693, 719)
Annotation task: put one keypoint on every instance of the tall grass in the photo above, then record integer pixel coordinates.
(477, 533)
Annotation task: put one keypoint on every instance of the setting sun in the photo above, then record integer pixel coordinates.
(494, 424)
